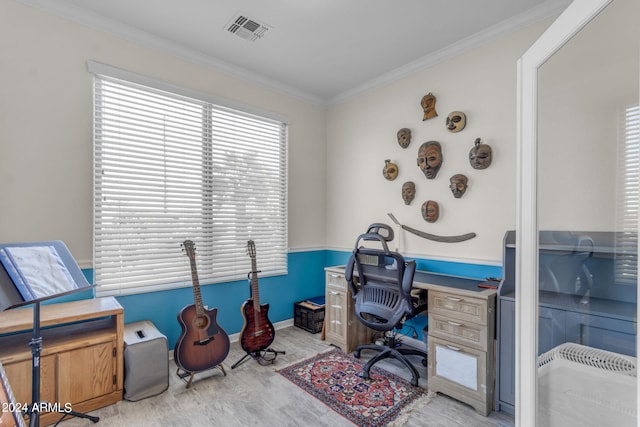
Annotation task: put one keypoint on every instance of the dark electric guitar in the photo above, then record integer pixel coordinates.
(203, 344)
(257, 333)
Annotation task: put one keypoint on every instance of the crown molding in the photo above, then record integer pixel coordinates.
(548, 9)
(131, 34)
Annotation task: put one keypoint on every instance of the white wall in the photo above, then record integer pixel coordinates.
(336, 187)
(361, 134)
(46, 127)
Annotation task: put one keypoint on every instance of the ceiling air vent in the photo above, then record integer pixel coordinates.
(247, 28)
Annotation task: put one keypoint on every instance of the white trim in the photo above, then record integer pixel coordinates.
(545, 10)
(339, 248)
(526, 260)
(87, 263)
(578, 14)
(491, 262)
(129, 33)
(314, 248)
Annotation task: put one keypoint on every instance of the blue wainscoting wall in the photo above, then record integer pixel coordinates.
(305, 280)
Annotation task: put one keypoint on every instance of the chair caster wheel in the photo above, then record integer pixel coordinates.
(424, 362)
(414, 382)
(356, 354)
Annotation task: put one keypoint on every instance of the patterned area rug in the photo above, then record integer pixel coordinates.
(336, 379)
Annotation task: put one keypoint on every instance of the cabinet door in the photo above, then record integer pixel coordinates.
(551, 328)
(551, 324)
(86, 372)
(19, 376)
(507, 354)
(602, 332)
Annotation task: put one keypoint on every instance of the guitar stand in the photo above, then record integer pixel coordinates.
(258, 356)
(184, 374)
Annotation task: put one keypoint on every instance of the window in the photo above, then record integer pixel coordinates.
(626, 262)
(170, 167)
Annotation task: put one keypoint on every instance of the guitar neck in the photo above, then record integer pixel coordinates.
(255, 293)
(197, 296)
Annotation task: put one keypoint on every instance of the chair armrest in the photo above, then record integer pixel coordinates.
(407, 278)
(348, 273)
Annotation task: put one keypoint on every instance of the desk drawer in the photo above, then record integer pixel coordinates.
(465, 333)
(459, 307)
(336, 280)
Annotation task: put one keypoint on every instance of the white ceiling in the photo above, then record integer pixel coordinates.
(321, 50)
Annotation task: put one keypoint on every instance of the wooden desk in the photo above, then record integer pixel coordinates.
(82, 354)
(462, 319)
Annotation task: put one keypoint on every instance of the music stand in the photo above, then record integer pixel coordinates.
(31, 273)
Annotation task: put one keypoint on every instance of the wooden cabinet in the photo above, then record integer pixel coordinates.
(19, 375)
(81, 360)
(342, 327)
(461, 346)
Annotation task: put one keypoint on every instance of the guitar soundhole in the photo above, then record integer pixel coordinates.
(201, 322)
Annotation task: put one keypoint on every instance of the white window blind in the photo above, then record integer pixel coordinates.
(169, 168)
(626, 257)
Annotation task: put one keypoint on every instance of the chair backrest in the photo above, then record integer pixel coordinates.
(560, 272)
(382, 292)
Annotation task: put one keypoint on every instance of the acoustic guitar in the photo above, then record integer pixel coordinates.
(202, 344)
(257, 333)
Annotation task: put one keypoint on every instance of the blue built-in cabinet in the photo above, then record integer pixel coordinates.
(587, 295)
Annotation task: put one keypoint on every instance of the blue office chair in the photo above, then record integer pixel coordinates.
(380, 282)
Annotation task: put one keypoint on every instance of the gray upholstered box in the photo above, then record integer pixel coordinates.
(146, 361)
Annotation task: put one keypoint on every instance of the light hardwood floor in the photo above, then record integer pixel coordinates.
(257, 395)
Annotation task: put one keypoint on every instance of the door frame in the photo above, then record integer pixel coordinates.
(578, 14)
